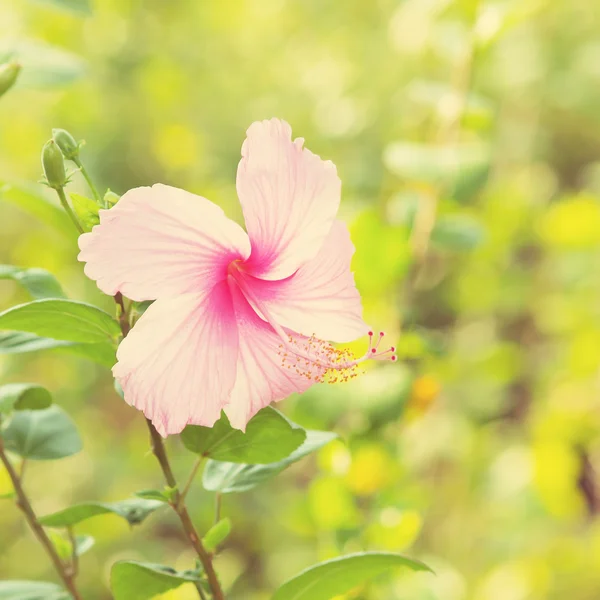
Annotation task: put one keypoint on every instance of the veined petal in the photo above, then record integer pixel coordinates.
(161, 241)
(178, 363)
(289, 196)
(321, 297)
(261, 376)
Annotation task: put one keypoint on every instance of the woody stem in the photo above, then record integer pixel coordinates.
(178, 500)
(178, 504)
(66, 572)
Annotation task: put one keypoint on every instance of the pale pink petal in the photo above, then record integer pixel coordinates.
(161, 241)
(289, 196)
(321, 297)
(261, 377)
(178, 363)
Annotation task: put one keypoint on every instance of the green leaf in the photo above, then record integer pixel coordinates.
(31, 590)
(38, 282)
(8, 496)
(24, 396)
(461, 170)
(14, 342)
(64, 547)
(153, 495)
(79, 7)
(216, 534)
(269, 437)
(133, 510)
(86, 211)
(337, 576)
(456, 232)
(31, 200)
(44, 65)
(62, 320)
(131, 580)
(42, 434)
(227, 477)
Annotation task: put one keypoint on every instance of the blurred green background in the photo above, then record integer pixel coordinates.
(478, 451)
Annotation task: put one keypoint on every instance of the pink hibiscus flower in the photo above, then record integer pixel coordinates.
(240, 319)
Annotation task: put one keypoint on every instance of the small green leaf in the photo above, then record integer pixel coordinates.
(79, 7)
(8, 496)
(62, 320)
(24, 396)
(269, 437)
(31, 200)
(42, 434)
(457, 232)
(337, 576)
(131, 580)
(461, 170)
(15, 342)
(64, 547)
(61, 544)
(31, 590)
(44, 65)
(38, 282)
(153, 495)
(217, 534)
(86, 211)
(133, 510)
(228, 477)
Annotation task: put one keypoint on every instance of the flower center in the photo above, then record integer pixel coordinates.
(312, 357)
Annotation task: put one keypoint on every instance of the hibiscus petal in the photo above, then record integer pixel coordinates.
(178, 363)
(289, 196)
(321, 297)
(161, 241)
(261, 377)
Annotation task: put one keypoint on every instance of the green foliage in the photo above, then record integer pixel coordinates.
(78, 7)
(269, 437)
(228, 477)
(337, 576)
(44, 65)
(45, 434)
(64, 547)
(457, 233)
(31, 590)
(62, 320)
(38, 282)
(86, 211)
(131, 580)
(216, 535)
(23, 396)
(134, 511)
(30, 199)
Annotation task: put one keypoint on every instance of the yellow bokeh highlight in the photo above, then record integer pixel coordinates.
(370, 471)
(556, 471)
(395, 529)
(176, 146)
(572, 223)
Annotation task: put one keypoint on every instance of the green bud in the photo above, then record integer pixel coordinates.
(66, 142)
(53, 164)
(110, 199)
(8, 75)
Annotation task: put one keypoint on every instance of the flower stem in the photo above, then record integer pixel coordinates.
(89, 181)
(65, 204)
(178, 504)
(66, 572)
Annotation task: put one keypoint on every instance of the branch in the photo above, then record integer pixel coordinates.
(178, 505)
(23, 503)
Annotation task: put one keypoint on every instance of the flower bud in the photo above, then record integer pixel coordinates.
(110, 199)
(8, 75)
(53, 164)
(66, 142)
